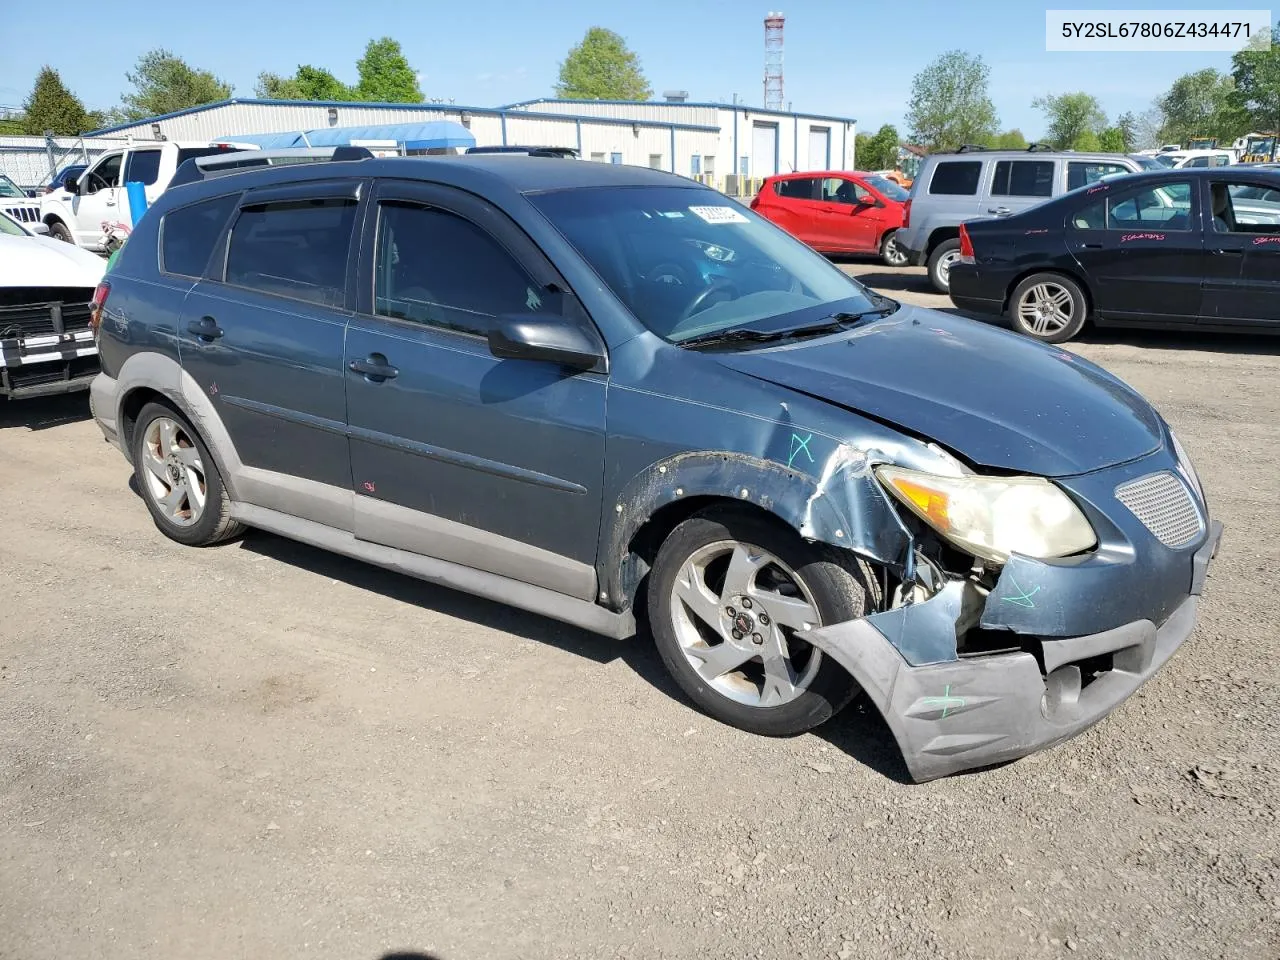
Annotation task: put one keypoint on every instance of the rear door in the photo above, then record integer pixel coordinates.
(492, 464)
(792, 203)
(262, 335)
(1018, 184)
(1142, 251)
(142, 165)
(1242, 247)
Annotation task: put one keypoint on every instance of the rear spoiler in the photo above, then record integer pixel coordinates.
(202, 168)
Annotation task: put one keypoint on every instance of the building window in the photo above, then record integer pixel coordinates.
(597, 157)
(744, 166)
(695, 165)
(615, 158)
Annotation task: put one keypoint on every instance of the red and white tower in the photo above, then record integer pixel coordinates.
(773, 61)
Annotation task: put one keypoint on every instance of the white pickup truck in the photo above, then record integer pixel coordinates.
(91, 204)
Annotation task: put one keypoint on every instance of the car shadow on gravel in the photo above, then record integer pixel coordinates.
(1242, 343)
(41, 413)
(858, 731)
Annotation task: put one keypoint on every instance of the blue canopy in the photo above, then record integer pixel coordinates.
(434, 134)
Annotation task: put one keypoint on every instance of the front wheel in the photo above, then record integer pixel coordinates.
(1048, 307)
(940, 261)
(891, 251)
(58, 230)
(731, 597)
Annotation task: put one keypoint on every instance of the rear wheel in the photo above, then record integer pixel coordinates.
(940, 261)
(891, 252)
(1048, 307)
(731, 597)
(58, 230)
(179, 481)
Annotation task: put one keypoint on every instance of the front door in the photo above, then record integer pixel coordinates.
(97, 200)
(850, 216)
(456, 454)
(262, 335)
(1242, 251)
(1141, 250)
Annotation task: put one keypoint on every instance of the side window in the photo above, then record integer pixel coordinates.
(1023, 178)
(143, 167)
(439, 269)
(187, 235)
(840, 190)
(105, 174)
(295, 248)
(1164, 207)
(1245, 208)
(1221, 160)
(1081, 173)
(1091, 217)
(956, 178)
(800, 188)
(1197, 162)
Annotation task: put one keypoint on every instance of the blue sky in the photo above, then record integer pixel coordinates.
(846, 58)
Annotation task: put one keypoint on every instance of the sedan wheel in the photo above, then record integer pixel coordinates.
(732, 596)
(891, 251)
(1049, 307)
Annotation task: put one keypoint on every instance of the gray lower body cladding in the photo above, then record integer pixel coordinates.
(970, 713)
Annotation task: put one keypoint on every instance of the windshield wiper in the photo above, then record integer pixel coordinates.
(837, 321)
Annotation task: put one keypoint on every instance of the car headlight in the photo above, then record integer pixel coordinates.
(993, 517)
(1185, 462)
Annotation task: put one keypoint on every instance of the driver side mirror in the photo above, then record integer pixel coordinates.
(71, 185)
(544, 337)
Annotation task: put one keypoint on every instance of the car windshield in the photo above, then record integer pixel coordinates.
(8, 188)
(690, 262)
(1166, 159)
(1148, 163)
(888, 188)
(10, 228)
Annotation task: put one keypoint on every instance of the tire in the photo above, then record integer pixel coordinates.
(1049, 307)
(686, 573)
(58, 230)
(205, 520)
(940, 261)
(890, 252)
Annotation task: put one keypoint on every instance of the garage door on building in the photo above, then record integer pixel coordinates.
(764, 149)
(819, 148)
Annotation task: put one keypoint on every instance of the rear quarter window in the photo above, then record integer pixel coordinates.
(296, 249)
(187, 235)
(956, 178)
(800, 189)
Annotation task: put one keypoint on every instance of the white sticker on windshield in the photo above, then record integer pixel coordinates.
(719, 214)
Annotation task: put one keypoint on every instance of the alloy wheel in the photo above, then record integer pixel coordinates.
(1046, 309)
(173, 472)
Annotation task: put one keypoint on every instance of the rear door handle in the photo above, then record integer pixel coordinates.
(1090, 246)
(206, 328)
(1228, 253)
(375, 368)
(999, 211)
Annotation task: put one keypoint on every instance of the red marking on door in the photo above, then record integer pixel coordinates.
(368, 485)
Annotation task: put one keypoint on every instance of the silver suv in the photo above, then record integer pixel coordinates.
(975, 183)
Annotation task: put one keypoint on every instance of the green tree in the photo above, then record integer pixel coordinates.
(878, 151)
(51, 106)
(1127, 124)
(1087, 142)
(385, 74)
(1256, 73)
(1202, 104)
(1111, 140)
(308, 83)
(950, 104)
(1069, 117)
(163, 83)
(601, 67)
(1008, 140)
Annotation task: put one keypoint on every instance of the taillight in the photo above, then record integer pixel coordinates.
(906, 213)
(95, 307)
(966, 246)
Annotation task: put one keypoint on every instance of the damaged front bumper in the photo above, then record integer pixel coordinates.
(973, 712)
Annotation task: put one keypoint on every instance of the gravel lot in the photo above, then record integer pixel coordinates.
(264, 750)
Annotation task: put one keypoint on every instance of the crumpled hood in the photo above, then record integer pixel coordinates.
(997, 398)
(45, 262)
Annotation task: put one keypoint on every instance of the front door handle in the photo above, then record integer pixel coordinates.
(1090, 246)
(206, 328)
(375, 368)
(1228, 253)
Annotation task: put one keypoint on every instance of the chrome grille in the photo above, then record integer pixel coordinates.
(1165, 506)
(23, 213)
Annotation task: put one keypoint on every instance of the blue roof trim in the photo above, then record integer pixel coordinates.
(746, 108)
(440, 107)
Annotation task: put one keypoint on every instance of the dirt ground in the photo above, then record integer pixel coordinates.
(264, 750)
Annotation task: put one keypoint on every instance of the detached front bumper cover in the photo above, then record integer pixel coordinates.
(965, 714)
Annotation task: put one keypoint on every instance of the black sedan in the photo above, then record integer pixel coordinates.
(1179, 249)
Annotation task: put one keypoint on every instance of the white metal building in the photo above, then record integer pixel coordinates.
(731, 147)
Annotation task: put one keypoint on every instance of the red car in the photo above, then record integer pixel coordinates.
(837, 211)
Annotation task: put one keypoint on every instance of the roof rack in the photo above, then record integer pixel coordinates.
(1039, 148)
(971, 148)
(202, 168)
